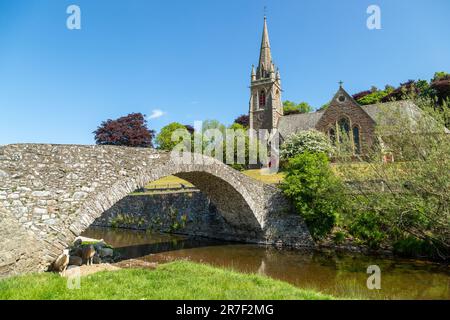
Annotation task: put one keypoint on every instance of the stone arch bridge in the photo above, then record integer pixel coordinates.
(49, 194)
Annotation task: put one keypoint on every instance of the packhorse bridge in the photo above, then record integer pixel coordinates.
(49, 194)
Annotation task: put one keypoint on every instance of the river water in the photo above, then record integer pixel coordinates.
(339, 274)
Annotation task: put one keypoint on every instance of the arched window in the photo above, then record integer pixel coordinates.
(262, 99)
(356, 140)
(332, 135)
(344, 126)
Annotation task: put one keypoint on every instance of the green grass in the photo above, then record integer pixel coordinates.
(363, 171)
(169, 180)
(176, 280)
(266, 178)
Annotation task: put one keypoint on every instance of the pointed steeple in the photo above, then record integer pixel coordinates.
(265, 55)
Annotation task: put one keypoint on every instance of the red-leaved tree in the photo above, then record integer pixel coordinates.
(130, 130)
(243, 120)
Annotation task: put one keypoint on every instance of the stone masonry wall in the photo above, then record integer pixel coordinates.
(190, 213)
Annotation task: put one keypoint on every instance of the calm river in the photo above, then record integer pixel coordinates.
(334, 273)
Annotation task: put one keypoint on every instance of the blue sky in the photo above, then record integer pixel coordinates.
(192, 59)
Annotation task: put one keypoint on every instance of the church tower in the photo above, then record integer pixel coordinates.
(266, 107)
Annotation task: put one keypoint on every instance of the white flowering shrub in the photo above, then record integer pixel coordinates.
(311, 140)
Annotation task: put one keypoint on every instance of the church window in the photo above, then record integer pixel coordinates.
(332, 135)
(356, 140)
(344, 126)
(262, 99)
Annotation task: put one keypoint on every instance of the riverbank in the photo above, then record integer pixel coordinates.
(176, 280)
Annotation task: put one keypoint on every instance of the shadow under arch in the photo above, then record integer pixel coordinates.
(221, 184)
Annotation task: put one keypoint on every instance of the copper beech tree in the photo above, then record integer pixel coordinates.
(130, 130)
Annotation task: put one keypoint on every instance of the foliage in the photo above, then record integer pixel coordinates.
(130, 131)
(411, 199)
(127, 221)
(372, 98)
(413, 247)
(368, 227)
(290, 107)
(243, 120)
(181, 280)
(314, 190)
(441, 75)
(361, 94)
(164, 138)
(311, 140)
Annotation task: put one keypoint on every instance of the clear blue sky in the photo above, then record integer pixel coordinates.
(192, 59)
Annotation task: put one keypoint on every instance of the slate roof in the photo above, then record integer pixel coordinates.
(405, 107)
(298, 122)
(305, 121)
(408, 107)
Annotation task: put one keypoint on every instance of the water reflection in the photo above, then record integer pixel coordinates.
(330, 272)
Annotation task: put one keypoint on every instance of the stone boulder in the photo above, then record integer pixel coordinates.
(106, 252)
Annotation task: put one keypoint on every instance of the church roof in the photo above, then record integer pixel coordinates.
(375, 110)
(404, 107)
(298, 122)
(306, 121)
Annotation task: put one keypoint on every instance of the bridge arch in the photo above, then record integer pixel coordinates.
(49, 194)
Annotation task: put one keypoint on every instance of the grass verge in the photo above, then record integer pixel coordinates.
(176, 280)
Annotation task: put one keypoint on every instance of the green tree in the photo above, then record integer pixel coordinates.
(164, 138)
(315, 191)
(290, 107)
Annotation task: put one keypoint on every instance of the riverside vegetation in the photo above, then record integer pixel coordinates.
(402, 206)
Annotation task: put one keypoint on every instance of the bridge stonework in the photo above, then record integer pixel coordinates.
(49, 194)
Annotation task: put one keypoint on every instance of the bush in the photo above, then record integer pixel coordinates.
(339, 237)
(413, 247)
(367, 227)
(311, 141)
(315, 191)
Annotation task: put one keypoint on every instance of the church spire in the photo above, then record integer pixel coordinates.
(265, 56)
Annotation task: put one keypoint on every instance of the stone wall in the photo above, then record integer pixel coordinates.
(355, 115)
(190, 213)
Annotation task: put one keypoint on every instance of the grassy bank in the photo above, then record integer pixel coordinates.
(176, 280)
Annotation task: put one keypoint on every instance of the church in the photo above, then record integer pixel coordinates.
(342, 114)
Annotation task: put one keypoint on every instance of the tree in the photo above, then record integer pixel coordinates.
(312, 141)
(243, 120)
(409, 207)
(315, 191)
(440, 84)
(164, 138)
(130, 130)
(290, 107)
